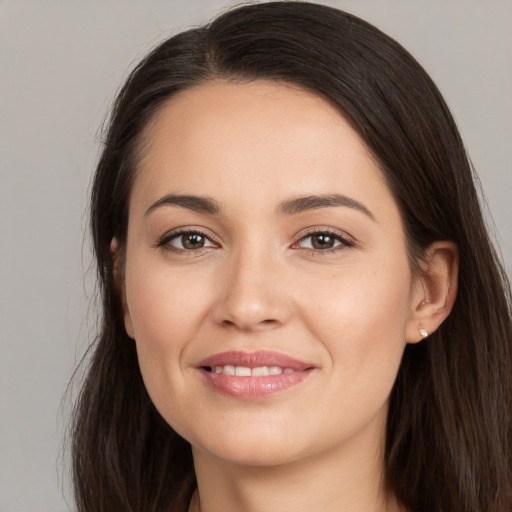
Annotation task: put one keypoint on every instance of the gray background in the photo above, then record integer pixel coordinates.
(60, 65)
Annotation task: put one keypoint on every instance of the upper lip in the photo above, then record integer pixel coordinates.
(255, 359)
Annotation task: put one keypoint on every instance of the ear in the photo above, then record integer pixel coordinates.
(118, 260)
(434, 291)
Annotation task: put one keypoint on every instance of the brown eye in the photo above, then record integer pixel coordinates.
(193, 241)
(322, 241)
(186, 241)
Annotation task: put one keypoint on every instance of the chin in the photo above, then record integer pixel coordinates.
(248, 441)
(258, 453)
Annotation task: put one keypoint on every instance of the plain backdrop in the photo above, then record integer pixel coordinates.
(60, 65)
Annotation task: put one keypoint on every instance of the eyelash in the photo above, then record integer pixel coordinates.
(344, 242)
(165, 241)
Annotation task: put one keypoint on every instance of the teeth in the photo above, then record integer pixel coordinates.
(244, 371)
(229, 370)
(260, 371)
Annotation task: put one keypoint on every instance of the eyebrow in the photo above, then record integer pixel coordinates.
(313, 202)
(196, 203)
(291, 206)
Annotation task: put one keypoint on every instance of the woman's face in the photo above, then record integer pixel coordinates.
(267, 284)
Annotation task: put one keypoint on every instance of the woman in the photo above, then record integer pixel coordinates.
(302, 308)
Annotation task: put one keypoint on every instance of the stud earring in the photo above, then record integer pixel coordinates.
(423, 333)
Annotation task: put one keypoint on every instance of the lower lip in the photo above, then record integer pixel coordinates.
(252, 388)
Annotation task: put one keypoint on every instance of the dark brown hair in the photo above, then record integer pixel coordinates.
(448, 445)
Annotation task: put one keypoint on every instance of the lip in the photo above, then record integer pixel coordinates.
(253, 387)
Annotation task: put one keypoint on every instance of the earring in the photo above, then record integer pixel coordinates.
(423, 333)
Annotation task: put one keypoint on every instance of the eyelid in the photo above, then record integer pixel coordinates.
(346, 241)
(164, 241)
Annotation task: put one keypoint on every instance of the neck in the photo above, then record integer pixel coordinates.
(347, 478)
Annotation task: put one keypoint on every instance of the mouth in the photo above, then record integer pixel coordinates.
(253, 375)
(246, 371)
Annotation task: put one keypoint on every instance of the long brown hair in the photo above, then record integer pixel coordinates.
(449, 434)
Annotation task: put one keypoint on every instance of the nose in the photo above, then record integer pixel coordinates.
(253, 294)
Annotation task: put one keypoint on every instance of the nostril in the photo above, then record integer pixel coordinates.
(250, 326)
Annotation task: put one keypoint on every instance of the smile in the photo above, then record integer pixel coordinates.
(249, 376)
(245, 371)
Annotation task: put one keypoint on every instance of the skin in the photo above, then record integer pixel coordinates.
(256, 284)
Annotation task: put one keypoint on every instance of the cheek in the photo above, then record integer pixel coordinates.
(353, 298)
(360, 315)
(166, 312)
(360, 319)
(161, 303)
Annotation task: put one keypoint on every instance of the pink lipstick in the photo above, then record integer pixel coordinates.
(252, 375)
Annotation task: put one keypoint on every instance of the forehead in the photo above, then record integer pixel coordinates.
(261, 140)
